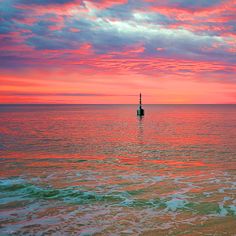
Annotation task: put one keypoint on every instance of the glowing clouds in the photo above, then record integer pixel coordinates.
(91, 47)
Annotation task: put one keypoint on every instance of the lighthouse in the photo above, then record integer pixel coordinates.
(140, 111)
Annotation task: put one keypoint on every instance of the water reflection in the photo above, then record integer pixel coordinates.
(82, 169)
(140, 123)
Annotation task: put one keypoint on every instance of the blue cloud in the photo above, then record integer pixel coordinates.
(115, 29)
(45, 2)
(194, 3)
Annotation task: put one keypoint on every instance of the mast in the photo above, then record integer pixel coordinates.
(140, 111)
(140, 100)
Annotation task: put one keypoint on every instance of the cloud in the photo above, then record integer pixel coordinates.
(46, 2)
(63, 94)
(186, 5)
(183, 38)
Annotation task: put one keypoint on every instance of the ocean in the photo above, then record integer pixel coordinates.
(101, 170)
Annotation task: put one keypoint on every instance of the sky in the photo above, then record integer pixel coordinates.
(107, 51)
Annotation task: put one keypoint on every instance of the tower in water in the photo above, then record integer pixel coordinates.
(140, 111)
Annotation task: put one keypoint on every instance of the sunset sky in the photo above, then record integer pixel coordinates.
(107, 51)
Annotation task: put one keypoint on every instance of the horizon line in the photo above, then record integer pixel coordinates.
(115, 104)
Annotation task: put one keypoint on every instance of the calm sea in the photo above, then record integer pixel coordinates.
(100, 170)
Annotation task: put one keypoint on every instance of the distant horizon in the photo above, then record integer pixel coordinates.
(22, 104)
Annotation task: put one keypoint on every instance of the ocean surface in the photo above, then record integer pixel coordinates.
(101, 170)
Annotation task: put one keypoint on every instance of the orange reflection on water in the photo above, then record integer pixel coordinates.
(104, 160)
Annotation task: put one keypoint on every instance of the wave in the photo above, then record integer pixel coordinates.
(17, 189)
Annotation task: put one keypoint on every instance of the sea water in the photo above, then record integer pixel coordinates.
(101, 170)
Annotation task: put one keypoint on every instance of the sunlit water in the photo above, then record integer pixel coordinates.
(99, 170)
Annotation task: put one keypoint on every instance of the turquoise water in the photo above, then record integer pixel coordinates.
(100, 170)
